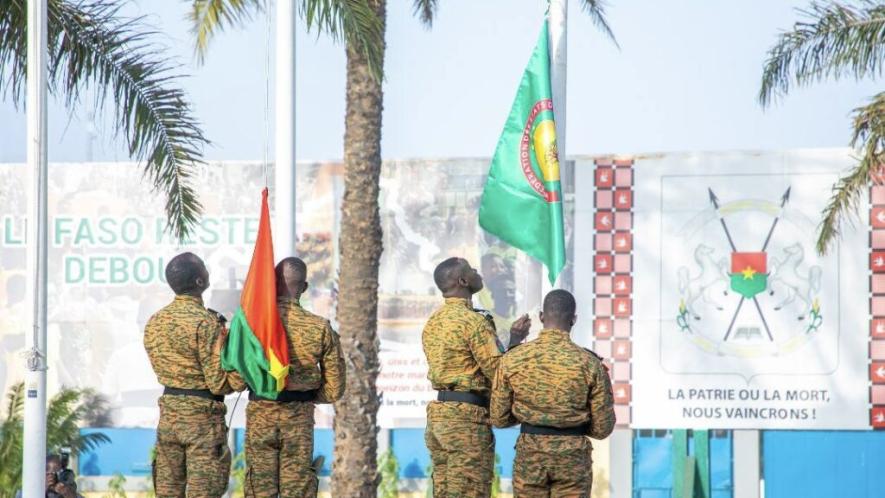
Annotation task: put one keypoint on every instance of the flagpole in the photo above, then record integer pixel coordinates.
(34, 457)
(557, 20)
(284, 133)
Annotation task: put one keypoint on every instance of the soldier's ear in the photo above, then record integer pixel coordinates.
(304, 288)
(574, 320)
(463, 282)
(541, 316)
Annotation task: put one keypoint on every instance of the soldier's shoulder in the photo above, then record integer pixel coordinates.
(593, 356)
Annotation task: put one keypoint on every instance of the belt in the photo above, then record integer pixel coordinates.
(287, 396)
(544, 430)
(199, 393)
(463, 397)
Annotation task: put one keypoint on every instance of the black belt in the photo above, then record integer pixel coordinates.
(199, 393)
(463, 397)
(287, 396)
(544, 430)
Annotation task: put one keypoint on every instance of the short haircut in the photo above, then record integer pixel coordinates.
(297, 265)
(182, 272)
(447, 273)
(559, 305)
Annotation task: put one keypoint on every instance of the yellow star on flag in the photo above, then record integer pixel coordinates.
(748, 273)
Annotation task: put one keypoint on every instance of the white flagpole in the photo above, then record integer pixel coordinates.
(284, 133)
(34, 464)
(558, 45)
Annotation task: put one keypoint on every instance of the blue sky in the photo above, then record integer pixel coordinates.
(686, 78)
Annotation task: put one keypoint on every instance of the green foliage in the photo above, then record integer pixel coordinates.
(388, 468)
(238, 472)
(831, 42)
(65, 412)
(116, 486)
(91, 47)
(496, 479)
(353, 21)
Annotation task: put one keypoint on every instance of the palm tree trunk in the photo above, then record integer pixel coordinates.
(354, 471)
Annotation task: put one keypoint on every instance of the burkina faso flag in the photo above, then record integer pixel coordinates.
(749, 273)
(257, 347)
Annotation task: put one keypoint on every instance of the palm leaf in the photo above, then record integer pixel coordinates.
(833, 41)
(596, 10)
(208, 17)
(353, 21)
(425, 10)
(869, 140)
(91, 47)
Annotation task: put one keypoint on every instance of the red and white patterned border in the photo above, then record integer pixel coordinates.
(613, 275)
(877, 307)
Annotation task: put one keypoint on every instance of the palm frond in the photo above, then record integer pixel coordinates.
(92, 47)
(833, 41)
(353, 21)
(425, 10)
(596, 10)
(208, 17)
(869, 140)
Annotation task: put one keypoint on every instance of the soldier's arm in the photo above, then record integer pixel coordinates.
(332, 367)
(501, 406)
(601, 403)
(483, 344)
(209, 356)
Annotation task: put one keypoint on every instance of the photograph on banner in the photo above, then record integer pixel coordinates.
(738, 322)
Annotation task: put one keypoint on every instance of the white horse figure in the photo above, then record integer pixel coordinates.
(787, 278)
(712, 279)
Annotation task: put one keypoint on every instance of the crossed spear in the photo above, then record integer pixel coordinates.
(715, 200)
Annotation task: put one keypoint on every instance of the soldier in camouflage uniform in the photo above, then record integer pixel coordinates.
(279, 433)
(183, 341)
(560, 393)
(463, 353)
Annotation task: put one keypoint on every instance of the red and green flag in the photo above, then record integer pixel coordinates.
(749, 273)
(522, 199)
(257, 347)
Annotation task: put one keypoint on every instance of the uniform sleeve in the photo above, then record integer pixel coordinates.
(210, 361)
(332, 367)
(483, 344)
(501, 406)
(602, 404)
(235, 381)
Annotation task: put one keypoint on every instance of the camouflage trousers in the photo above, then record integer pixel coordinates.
(192, 456)
(462, 449)
(552, 466)
(279, 450)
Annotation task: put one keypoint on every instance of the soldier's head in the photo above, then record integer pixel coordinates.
(456, 278)
(187, 275)
(291, 276)
(559, 310)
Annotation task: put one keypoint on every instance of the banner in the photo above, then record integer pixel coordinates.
(732, 320)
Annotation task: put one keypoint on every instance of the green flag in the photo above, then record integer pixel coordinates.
(522, 198)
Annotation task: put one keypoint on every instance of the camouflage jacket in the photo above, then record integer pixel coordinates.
(179, 341)
(552, 381)
(461, 348)
(315, 357)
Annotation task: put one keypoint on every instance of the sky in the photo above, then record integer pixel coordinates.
(685, 79)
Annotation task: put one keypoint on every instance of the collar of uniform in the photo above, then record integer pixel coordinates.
(189, 299)
(289, 300)
(459, 301)
(554, 334)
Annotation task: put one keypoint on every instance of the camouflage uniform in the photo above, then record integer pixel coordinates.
(553, 382)
(462, 355)
(192, 455)
(279, 435)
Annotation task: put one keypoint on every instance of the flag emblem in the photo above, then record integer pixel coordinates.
(749, 273)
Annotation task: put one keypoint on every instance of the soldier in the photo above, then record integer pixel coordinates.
(279, 433)
(560, 393)
(183, 341)
(463, 353)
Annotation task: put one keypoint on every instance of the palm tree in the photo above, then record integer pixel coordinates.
(835, 41)
(66, 410)
(92, 48)
(355, 471)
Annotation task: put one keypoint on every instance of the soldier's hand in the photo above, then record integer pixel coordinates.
(220, 341)
(520, 330)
